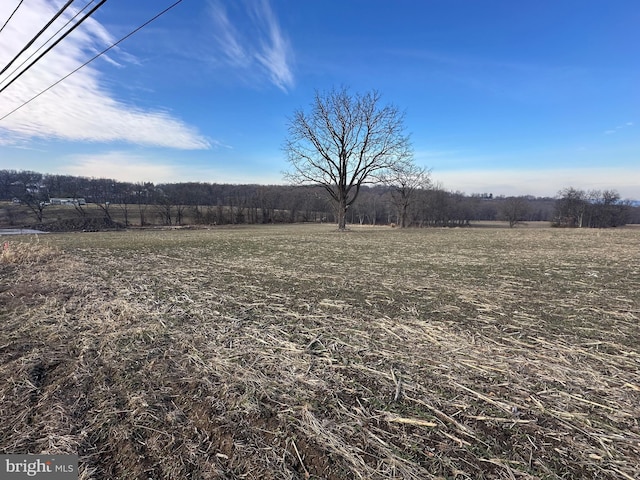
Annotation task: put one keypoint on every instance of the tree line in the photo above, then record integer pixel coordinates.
(594, 208)
(146, 203)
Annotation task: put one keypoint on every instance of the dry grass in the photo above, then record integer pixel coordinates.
(297, 352)
(26, 254)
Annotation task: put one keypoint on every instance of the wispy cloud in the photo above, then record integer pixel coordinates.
(228, 38)
(619, 127)
(259, 46)
(80, 108)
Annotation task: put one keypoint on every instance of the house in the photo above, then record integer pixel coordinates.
(71, 202)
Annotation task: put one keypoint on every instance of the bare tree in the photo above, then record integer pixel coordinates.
(35, 202)
(344, 142)
(514, 209)
(123, 199)
(103, 195)
(403, 180)
(30, 190)
(606, 209)
(595, 209)
(571, 206)
(143, 193)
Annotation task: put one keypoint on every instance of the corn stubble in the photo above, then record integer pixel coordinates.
(299, 352)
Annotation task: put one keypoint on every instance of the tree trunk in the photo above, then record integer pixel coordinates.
(403, 215)
(125, 211)
(342, 214)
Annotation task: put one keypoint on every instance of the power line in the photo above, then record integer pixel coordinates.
(45, 43)
(76, 25)
(11, 16)
(93, 58)
(66, 5)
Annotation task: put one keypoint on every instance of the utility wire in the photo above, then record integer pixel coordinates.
(76, 25)
(11, 16)
(45, 43)
(93, 58)
(66, 5)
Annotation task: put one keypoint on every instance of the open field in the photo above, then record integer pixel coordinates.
(296, 352)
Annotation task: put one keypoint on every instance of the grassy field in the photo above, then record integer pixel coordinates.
(296, 352)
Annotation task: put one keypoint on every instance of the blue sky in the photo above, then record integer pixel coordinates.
(500, 96)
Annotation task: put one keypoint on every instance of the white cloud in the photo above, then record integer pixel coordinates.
(264, 48)
(274, 51)
(79, 108)
(228, 38)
